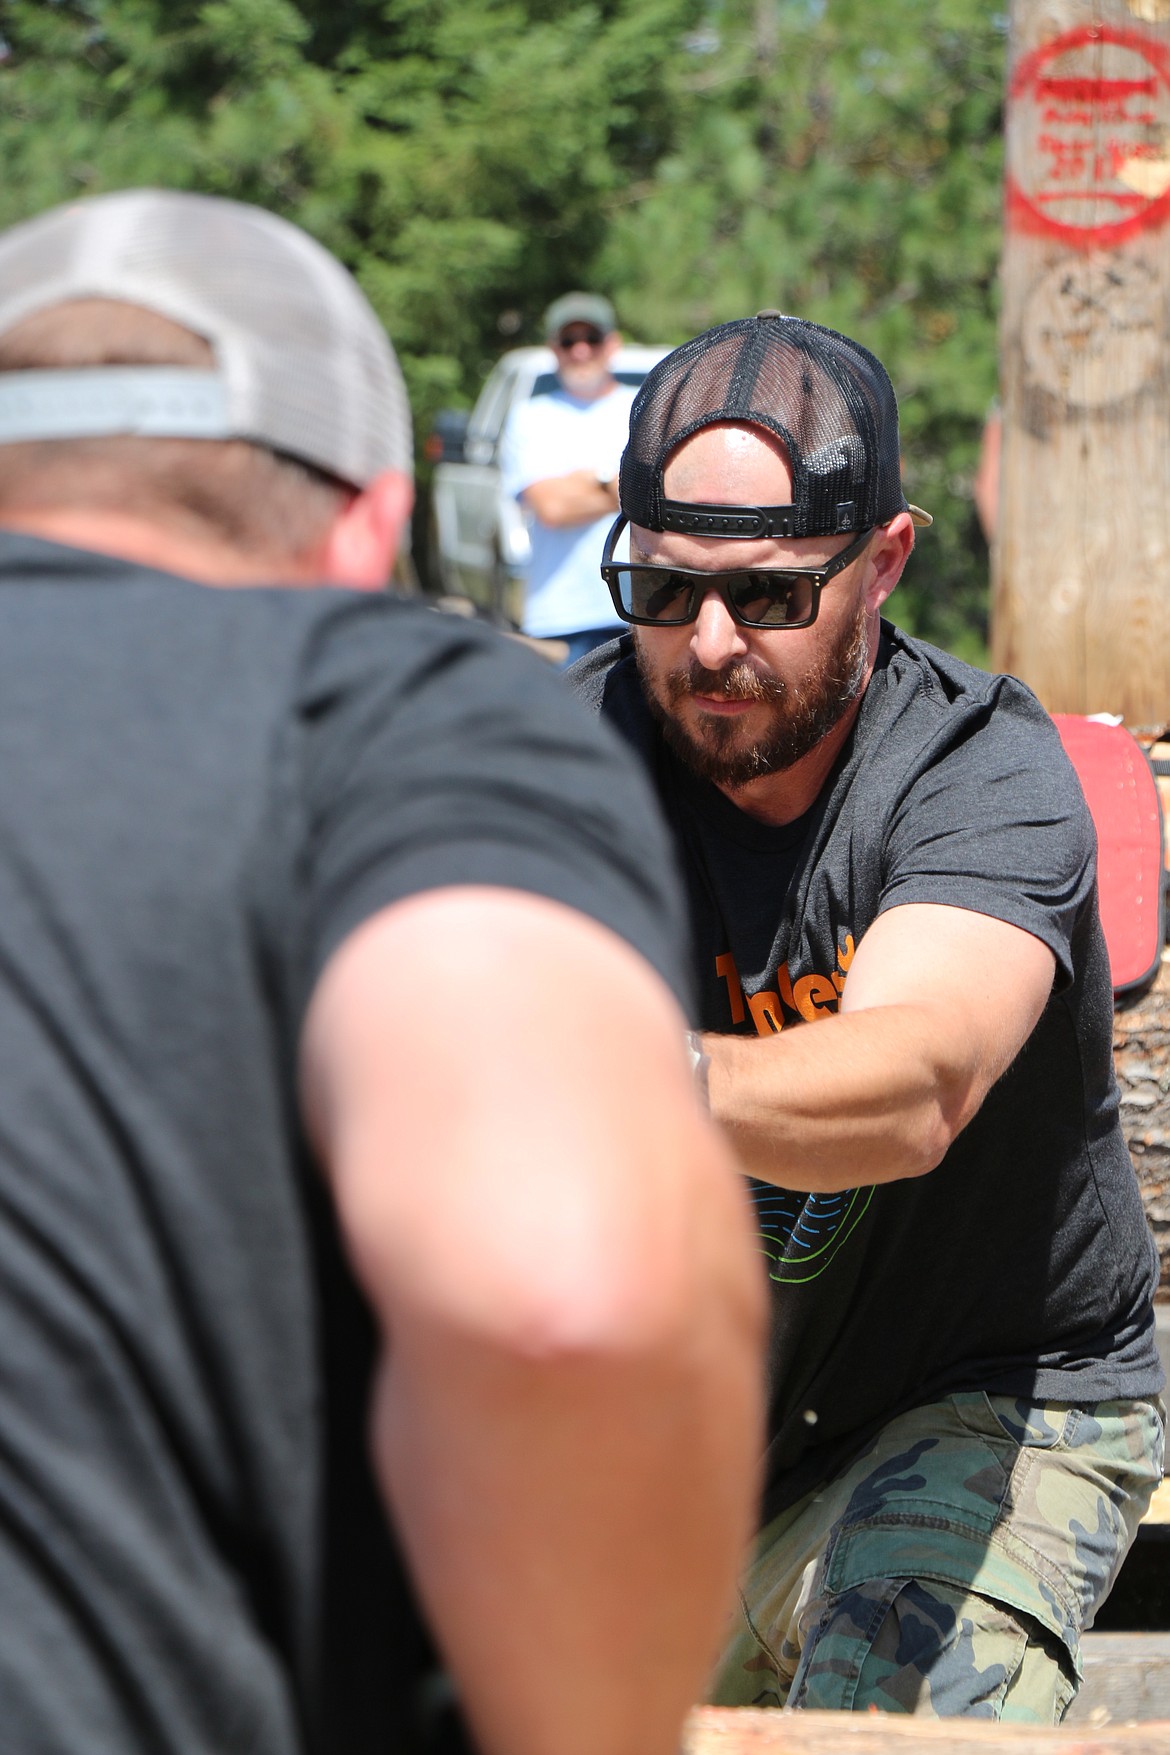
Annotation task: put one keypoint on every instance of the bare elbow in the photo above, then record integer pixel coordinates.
(543, 502)
(935, 1143)
(666, 1314)
(942, 1123)
(595, 1311)
(527, 1297)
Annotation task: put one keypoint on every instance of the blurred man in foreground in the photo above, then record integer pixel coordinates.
(560, 459)
(316, 914)
(908, 1015)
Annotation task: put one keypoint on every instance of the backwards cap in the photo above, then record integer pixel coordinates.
(303, 365)
(825, 397)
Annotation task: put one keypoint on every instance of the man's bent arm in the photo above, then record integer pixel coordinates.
(576, 498)
(558, 1253)
(928, 1023)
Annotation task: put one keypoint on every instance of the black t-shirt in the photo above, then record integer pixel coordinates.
(201, 792)
(1022, 1264)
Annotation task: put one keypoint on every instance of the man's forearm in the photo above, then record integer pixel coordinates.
(879, 1091)
(577, 498)
(836, 1104)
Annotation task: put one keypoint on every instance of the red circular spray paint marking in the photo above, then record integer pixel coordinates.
(1088, 111)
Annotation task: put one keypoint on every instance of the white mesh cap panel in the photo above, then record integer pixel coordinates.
(309, 368)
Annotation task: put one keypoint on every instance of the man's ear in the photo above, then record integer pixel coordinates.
(887, 557)
(363, 542)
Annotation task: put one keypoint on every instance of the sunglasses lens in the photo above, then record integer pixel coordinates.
(570, 337)
(772, 600)
(654, 594)
(760, 599)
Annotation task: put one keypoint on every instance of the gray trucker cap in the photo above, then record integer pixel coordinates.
(304, 365)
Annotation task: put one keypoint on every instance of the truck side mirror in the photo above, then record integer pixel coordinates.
(447, 440)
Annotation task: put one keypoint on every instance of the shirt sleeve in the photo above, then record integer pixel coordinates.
(436, 752)
(997, 823)
(524, 449)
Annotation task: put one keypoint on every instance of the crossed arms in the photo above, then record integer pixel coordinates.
(576, 498)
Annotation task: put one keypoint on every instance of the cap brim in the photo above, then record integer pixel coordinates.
(918, 515)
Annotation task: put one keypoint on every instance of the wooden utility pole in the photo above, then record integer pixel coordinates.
(1081, 578)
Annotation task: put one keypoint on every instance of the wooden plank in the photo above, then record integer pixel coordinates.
(1127, 1678)
(1080, 608)
(750, 1731)
(1159, 1511)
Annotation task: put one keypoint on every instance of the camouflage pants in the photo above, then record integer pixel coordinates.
(951, 1568)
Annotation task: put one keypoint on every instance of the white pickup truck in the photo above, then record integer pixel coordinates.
(478, 538)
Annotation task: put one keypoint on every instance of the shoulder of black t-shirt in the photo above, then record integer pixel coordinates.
(606, 680)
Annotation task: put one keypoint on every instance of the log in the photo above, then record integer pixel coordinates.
(1080, 605)
(752, 1731)
(1127, 1678)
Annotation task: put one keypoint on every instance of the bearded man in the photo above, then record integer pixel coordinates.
(889, 845)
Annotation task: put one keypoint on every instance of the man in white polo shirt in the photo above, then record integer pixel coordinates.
(560, 459)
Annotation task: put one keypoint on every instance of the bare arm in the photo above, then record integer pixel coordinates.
(576, 498)
(938, 1003)
(557, 1250)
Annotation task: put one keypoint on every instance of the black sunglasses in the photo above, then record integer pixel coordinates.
(756, 597)
(570, 337)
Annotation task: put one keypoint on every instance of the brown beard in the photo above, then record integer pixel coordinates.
(801, 714)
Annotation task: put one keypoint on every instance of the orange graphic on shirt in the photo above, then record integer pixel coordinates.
(807, 998)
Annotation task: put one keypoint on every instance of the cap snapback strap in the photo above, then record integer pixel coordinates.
(742, 522)
(155, 401)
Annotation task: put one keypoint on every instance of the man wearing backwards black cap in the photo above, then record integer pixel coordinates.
(316, 920)
(891, 846)
(559, 458)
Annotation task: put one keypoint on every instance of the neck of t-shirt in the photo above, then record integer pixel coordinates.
(722, 814)
(586, 400)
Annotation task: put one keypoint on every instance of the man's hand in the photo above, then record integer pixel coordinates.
(558, 1252)
(580, 497)
(928, 1023)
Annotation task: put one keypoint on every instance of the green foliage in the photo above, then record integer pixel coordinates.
(470, 159)
(459, 155)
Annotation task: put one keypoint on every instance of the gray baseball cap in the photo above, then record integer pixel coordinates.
(303, 364)
(579, 307)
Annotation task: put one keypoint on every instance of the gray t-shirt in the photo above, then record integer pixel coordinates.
(1022, 1264)
(201, 792)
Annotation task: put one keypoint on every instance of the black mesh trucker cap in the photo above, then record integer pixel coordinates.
(826, 397)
